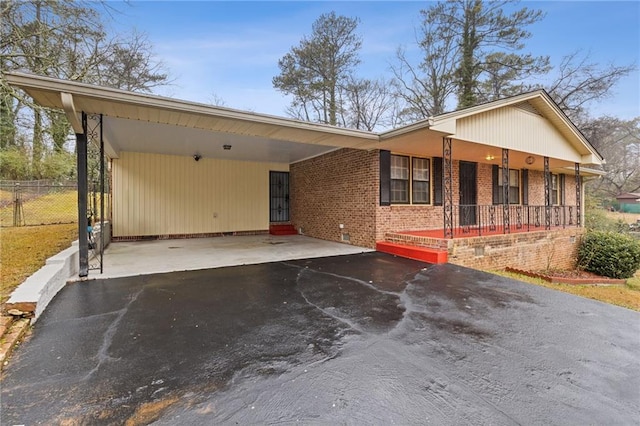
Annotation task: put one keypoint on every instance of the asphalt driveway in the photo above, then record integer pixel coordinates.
(357, 339)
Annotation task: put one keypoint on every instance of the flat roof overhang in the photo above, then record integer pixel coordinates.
(139, 122)
(147, 123)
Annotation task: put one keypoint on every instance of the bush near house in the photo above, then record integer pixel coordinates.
(609, 254)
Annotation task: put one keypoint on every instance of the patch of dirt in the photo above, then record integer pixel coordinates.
(150, 411)
(556, 273)
(575, 277)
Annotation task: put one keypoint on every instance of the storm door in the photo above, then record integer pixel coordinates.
(278, 196)
(468, 193)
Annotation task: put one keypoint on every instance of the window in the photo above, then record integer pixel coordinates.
(399, 179)
(410, 180)
(554, 189)
(514, 186)
(420, 193)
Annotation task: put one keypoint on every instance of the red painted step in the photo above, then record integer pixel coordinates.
(423, 254)
(284, 229)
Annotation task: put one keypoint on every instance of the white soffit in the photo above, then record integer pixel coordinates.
(145, 123)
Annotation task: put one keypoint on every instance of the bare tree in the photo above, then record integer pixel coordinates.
(368, 104)
(580, 81)
(471, 49)
(619, 142)
(65, 39)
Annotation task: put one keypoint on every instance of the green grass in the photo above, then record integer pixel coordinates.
(48, 209)
(25, 249)
(627, 296)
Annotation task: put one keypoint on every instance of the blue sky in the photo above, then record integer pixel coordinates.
(231, 49)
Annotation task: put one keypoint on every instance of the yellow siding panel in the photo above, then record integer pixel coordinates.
(516, 129)
(157, 194)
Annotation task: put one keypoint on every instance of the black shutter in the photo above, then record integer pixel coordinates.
(525, 187)
(496, 188)
(385, 178)
(437, 181)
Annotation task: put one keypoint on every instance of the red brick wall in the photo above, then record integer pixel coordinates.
(485, 184)
(533, 250)
(340, 187)
(407, 218)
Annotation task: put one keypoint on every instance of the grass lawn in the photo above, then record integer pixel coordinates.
(625, 217)
(61, 207)
(24, 250)
(627, 296)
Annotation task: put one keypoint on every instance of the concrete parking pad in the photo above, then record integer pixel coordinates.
(124, 259)
(354, 339)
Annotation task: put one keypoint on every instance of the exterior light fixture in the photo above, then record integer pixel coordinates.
(529, 160)
(489, 157)
(197, 157)
(226, 147)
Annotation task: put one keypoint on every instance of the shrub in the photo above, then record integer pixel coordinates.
(609, 254)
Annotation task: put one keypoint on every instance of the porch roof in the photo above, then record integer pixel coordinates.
(147, 123)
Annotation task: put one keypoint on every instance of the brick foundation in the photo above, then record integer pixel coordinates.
(532, 250)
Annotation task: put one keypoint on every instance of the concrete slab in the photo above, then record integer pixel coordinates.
(123, 259)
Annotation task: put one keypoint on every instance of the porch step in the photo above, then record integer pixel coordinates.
(283, 229)
(423, 254)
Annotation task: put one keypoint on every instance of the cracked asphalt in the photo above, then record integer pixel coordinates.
(358, 339)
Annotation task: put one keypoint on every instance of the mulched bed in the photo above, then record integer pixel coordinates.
(575, 277)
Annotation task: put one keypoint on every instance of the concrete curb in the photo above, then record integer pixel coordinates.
(35, 293)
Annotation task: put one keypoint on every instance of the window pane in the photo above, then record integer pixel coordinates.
(514, 178)
(514, 186)
(399, 191)
(421, 192)
(399, 167)
(514, 195)
(420, 169)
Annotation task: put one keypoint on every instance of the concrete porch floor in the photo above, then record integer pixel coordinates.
(122, 259)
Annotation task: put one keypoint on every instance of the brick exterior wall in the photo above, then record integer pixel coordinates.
(341, 187)
(533, 250)
(407, 218)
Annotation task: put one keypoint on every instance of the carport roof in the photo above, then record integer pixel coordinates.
(141, 122)
(147, 123)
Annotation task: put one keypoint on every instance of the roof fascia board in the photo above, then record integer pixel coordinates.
(72, 115)
(70, 110)
(23, 80)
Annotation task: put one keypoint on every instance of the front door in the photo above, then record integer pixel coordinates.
(278, 196)
(468, 193)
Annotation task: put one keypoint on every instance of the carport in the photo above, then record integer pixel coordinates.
(179, 169)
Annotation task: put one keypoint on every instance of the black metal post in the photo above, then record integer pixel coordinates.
(547, 195)
(102, 230)
(447, 181)
(506, 223)
(83, 222)
(578, 196)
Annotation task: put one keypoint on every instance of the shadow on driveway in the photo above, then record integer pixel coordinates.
(366, 338)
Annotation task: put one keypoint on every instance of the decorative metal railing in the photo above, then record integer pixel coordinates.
(490, 219)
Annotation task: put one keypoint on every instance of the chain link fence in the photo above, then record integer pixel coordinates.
(43, 202)
(28, 203)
